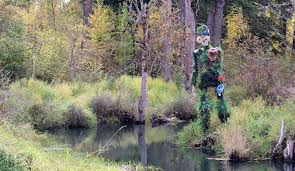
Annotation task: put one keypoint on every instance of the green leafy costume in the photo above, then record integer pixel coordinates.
(208, 71)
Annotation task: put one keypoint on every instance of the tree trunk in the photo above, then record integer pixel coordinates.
(142, 146)
(143, 98)
(87, 11)
(214, 21)
(210, 20)
(283, 33)
(218, 22)
(289, 150)
(72, 60)
(144, 75)
(166, 69)
(52, 15)
(189, 45)
(293, 46)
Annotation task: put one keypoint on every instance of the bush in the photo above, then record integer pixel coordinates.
(235, 95)
(104, 108)
(48, 115)
(183, 107)
(77, 117)
(83, 104)
(191, 133)
(257, 128)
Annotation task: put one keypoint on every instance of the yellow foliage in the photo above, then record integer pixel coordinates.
(290, 29)
(102, 24)
(37, 99)
(236, 25)
(82, 101)
(63, 91)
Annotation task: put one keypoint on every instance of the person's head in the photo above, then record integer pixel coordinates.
(203, 36)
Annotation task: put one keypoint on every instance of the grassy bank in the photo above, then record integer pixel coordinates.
(79, 104)
(251, 132)
(23, 149)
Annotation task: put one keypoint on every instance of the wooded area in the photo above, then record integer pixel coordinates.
(79, 63)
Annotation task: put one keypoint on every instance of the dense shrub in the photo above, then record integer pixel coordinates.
(103, 107)
(77, 117)
(183, 107)
(191, 133)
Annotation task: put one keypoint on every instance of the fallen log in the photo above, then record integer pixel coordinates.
(162, 120)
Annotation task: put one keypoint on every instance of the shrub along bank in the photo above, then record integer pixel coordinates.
(250, 133)
(79, 104)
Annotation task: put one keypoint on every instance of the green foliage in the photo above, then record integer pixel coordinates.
(102, 25)
(7, 163)
(235, 95)
(257, 127)
(79, 104)
(191, 133)
(46, 106)
(14, 48)
(125, 49)
(250, 132)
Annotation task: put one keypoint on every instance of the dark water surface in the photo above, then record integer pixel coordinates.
(152, 146)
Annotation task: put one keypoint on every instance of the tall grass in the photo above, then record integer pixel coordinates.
(79, 104)
(250, 133)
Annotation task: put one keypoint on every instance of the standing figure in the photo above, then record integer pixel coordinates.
(208, 72)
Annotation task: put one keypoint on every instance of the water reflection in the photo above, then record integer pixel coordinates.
(151, 146)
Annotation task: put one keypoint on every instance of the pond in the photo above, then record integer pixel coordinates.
(151, 146)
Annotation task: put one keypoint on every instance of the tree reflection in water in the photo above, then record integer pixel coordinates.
(152, 146)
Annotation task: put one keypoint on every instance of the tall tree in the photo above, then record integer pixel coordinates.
(139, 12)
(187, 16)
(166, 69)
(214, 22)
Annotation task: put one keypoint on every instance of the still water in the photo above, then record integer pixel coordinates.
(152, 146)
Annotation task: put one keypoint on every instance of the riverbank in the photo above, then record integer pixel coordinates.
(28, 106)
(77, 104)
(251, 132)
(31, 151)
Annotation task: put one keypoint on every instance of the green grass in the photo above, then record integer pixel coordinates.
(47, 106)
(33, 151)
(21, 148)
(251, 131)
